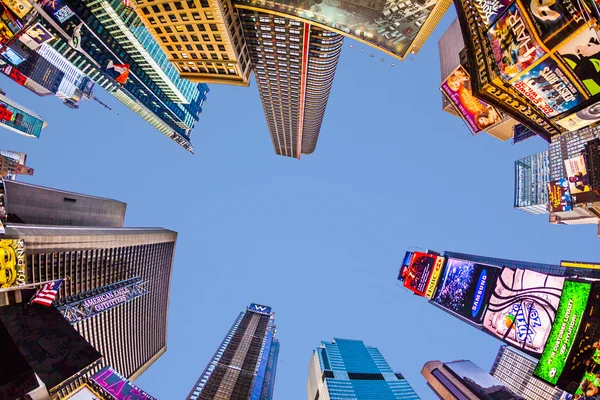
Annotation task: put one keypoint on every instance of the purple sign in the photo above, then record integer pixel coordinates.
(117, 387)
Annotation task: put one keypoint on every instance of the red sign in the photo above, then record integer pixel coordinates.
(419, 272)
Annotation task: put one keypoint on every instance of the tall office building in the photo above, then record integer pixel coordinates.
(294, 64)
(531, 183)
(515, 370)
(20, 119)
(244, 365)
(345, 369)
(117, 293)
(463, 380)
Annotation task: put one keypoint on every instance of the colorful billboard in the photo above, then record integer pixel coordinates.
(579, 180)
(582, 54)
(12, 263)
(477, 114)
(571, 309)
(559, 196)
(581, 118)
(514, 47)
(419, 272)
(577, 264)
(259, 309)
(58, 9)
(391, 26)
(522, 307)
(19, 7)
(435, 275)
(465, 288)
(490, 10)
(555, 20)
(83, 392)
(117, 386)
(546, 86)
(403, 273)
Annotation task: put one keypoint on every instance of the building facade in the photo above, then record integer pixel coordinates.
(531, 183)
(348, 369)
(245, 363)
(12, 163)
(515, 370)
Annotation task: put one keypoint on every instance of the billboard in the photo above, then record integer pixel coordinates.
(579, 180)
(555, 20)
(490, 10)
(433, 282)
(477, 114)
(522, 308)
(482, 384)
(391, 26)
(571, 309)
(559, 196)
(19, 7)
(83, 392)
(35, 36)
(582, 54)
(419, 272)
(465, 288)
(577, 264)
(58, 9)
(514, 47)
(118, 387)
(257, 308)
(546, 86)
(12, 263)
(403, 273)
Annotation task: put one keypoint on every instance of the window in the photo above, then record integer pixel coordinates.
(172, 17)
(221, 47)
(214, 28)
(209, 15)
(158, 30)
(166, 6)
(196, 16)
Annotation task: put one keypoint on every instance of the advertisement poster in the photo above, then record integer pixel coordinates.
(581, 118)
(465, 288)
(419, 272)
(83, 392)
(579, 180)
(435, 275)
(514, 47)
(555, 20)
(58, 10)
(390, 25)
(571, 308)
(582, 55)
(477, 114)
(490, 10)
(559, 196)
(35, 36)
(546, 86)
(118, 387)
(19, 7)
(405, 266)
(12, 263)
(522, 308)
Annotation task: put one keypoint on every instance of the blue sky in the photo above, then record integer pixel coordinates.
(320, 240)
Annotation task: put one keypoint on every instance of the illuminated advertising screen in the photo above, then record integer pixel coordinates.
(13, 57)
(58, 9)
(403, 273)
(259, 309)
(117, 386)
(559, 196)
(522, 308)
(12, 263)
(83, 392)
(546, 86)
(555, 20)
(391, 26)
(582, 54)
(581, 118)
(419, 273)
(490, 10)
(435, 275)
(514, 47)
(477, 114)
(3, 215)
(579, 180)
(571, 309)
(465, 288)
(19, 7)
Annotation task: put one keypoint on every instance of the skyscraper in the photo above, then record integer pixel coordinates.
(532, 175)
(515, 369)
(345, 369)
(117, 293)
(244, 365)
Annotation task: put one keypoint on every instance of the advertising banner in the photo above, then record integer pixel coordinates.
(35, 36)
(433, 282)
(119, 387)
(465, 288)
(58, 9)
(522, 308)
(477, 114)
(581, 118)
(419, 273)
(571, 309)
(555, 20)
(514, 47)
(83, 392)
(559, 196)
(257, 308)
(546, 86)
(579, 180)
(389, 25)
(19, 7)
(12, 263)
(582, 55)
(490, 10)
(577, 264)
(405, 266)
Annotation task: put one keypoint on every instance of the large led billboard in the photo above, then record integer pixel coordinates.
(118, 387)
(559, 196)
(579, 180)
(259, 309)
(389, 25)
(419, 273)
(12, 263)
(522, 308)
(571, 309)
(403, 273)
(477, 114)
(465, 288)
(582, 54)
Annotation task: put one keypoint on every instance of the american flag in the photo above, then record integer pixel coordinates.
(45, 296)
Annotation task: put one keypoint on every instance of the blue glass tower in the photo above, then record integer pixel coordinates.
(347, 369)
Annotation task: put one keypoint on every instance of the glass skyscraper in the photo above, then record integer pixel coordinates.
(244, 365)
(348, 369)
(531, 178)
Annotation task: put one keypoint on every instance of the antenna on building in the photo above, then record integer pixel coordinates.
(104, 105)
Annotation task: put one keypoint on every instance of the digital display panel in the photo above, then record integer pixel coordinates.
(559, 196)
(465, 288)
(403, 273)
(257, 308)
(12, 263)
(579, 180)
(435, 275)
(582, 54)
(571, 309)
(117, 386)
(522, 308)
(419, 272)
(490, 10)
